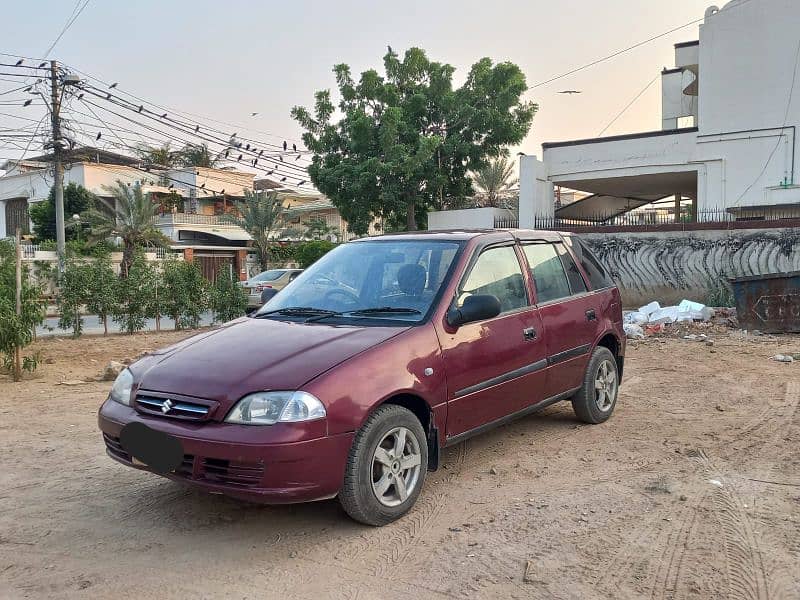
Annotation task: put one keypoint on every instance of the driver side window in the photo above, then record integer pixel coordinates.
(497, 272)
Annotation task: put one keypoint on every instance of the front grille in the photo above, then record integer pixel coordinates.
(213, 470)
(232, 472)
(168, 407)
(115, 448)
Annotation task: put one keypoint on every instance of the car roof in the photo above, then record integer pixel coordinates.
(469, 234)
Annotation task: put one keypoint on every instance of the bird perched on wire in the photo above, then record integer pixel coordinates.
(27, 102)
(253, 114)
(284, 146)
(294, 147)
(18, 63)
(42, 64)
(99, 133)
(112, 86)
(141, 108)
(571, 92)
(302, 182)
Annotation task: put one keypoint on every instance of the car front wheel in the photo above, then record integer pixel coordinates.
(596, 399)
(386, 467)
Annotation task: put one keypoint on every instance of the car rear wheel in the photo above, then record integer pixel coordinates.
(386, 467)
(596, 399)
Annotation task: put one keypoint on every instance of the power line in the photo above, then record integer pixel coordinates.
(615, 54)
(69, 23)
(627, 106)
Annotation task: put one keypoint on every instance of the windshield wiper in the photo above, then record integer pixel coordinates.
(385, 309)
(299, 311)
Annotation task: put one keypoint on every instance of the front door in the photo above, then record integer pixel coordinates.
(494, 367)
(568, 312)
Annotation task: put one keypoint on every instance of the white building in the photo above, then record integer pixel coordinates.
(730, 114)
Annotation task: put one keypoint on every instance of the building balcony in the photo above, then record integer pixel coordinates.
(190, 219)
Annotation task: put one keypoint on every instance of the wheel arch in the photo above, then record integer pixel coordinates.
(611, 341)
(423, 411)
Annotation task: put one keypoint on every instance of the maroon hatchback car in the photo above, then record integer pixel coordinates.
(351, 380)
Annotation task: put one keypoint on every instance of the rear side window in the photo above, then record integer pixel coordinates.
(547, 271)
(574, 276)
(598, 276)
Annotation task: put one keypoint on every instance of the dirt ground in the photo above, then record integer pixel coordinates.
(691, 490)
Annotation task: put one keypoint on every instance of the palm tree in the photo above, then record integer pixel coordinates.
(495, 179)
(130, 218)
(318, 228)
(160, 157)
(197, 155)
(261, 215)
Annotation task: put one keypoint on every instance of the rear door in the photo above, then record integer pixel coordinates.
(568, 313)
(497, 366)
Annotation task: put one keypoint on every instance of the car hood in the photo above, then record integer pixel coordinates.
(249, 355)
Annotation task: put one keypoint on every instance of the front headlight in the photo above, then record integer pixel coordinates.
(268, 408)
(121, 390)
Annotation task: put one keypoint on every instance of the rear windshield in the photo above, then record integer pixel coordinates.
(268, 275)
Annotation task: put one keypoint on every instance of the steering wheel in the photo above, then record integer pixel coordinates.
(349, 297)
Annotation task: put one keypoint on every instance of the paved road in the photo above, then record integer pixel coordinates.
(93, 325)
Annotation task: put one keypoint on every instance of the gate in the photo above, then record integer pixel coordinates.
(211, 264)
(17, 216)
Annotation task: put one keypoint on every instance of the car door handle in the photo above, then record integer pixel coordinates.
(591, 315)
(529, 333)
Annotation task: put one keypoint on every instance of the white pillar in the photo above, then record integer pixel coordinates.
(3, 219)
(535, 192)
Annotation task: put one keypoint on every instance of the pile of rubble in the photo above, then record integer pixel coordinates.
(654, 319)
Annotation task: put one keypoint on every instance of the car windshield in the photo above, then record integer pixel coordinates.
(369, 280)
(268, 275)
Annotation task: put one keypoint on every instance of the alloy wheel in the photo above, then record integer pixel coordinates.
(396, 466)
(605, 385)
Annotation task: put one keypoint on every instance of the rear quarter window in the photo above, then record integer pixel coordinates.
(597, 273)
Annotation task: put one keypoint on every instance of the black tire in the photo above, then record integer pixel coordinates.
(357, 496)
(585, 402)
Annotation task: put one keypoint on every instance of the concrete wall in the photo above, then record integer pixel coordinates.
(670, 266)
(470, 218)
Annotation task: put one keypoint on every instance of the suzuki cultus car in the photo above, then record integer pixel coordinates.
(350, 381)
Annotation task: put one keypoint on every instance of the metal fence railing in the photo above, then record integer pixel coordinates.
(654, 219)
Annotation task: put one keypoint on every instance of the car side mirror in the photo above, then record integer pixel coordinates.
(476, 308)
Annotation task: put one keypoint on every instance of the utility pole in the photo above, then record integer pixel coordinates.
(18, 302)
(59, 168)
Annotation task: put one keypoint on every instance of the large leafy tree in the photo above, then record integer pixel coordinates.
(407, 138)
(77, 199)
(130, 219)
(163, 157)
(262, 215)
(493, 180)
(196, 155)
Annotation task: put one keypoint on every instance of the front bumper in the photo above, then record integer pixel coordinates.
(218, 460)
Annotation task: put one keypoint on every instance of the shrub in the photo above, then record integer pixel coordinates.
(719, 293)
(136, 296)
(103, 294)
(307, 253)
(73, 287)
(17, 331)
(185, 293)
(228, 298)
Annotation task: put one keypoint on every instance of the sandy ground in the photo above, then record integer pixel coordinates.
(692, 490)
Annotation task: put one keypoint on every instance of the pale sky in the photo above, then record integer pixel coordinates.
(228, 59)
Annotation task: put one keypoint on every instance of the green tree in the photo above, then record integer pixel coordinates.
(163, 157)
(318, 228)
(196, 155)
(17, 331)
(185, 293)
(136, 295)
(307, 253)
(407, 139)
(131, 219)
(493, 180)
(102, 284)
(77, 200)
(262, 214)
(73, 292)
(228, 298)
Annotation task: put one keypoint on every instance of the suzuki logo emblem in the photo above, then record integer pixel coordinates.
(166, 407)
